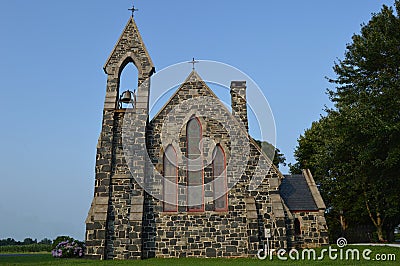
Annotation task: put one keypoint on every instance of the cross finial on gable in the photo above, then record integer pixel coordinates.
(133, 9)
(194, 62)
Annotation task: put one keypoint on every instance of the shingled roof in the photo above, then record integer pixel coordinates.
(296, 193)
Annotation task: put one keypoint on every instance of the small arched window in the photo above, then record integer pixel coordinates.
(170, 186)
(195, 166)
(297, 227)
(220, 182)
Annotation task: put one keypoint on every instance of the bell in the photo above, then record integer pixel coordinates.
(126, 97)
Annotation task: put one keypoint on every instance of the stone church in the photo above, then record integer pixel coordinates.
(170, 195)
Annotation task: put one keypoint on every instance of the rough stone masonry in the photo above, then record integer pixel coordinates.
(126, 220)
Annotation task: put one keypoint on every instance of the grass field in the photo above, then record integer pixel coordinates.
(47, 259)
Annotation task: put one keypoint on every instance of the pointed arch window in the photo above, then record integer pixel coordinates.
(220, 182)
(195, 187)
(170, 186)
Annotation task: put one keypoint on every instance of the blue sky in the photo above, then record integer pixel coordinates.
(53, 85)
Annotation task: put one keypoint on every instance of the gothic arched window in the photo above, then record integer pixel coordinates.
(170, 188)
(195, 166)
(220, 182)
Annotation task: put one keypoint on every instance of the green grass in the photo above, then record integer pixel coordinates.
(47, 259)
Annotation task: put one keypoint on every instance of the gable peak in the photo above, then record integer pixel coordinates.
(193, 77)
(129, 45)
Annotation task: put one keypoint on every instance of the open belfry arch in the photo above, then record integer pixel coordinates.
(125, 222)
(129, 49)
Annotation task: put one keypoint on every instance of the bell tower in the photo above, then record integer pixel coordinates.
(114, 221)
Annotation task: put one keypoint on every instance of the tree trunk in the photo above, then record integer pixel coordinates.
(343, 224)
(378, 222)
(379, 231)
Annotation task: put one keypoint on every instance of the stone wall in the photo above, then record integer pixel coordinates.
(114, 223)
(314, 232)
(239, 232)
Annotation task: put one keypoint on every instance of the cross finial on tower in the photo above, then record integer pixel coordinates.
(193, 62)
(133, 9)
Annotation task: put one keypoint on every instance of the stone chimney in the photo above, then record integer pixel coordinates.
(239, 103)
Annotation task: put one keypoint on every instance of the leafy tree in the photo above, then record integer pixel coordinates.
(29, 241)
(324, 151)
(45, 241)
(269, 150)
(9, 242)
(354, 151)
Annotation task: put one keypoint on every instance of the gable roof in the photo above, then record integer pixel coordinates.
(296, 193)
(194, 77)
